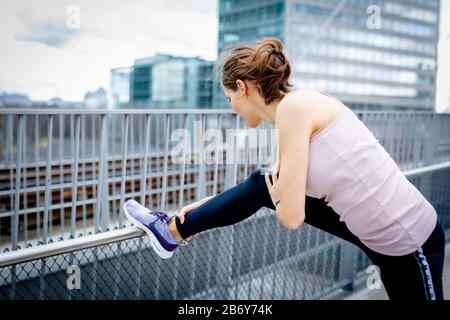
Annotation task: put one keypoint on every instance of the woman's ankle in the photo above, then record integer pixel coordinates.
(173, 229)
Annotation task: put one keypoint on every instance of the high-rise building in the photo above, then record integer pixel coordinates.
(171, 82)
(372, 54)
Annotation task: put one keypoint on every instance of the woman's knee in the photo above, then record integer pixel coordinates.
(257, 175)
(256, 184)
(257, 181)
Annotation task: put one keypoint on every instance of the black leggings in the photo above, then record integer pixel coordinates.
(417, 275)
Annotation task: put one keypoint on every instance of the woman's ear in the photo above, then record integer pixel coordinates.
(241, 87)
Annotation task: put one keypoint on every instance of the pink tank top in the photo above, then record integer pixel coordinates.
(362, 183)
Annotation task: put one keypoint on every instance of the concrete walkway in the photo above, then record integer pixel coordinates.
(367, 294)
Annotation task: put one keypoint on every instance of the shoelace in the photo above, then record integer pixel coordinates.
(164, 217)
(161, 215)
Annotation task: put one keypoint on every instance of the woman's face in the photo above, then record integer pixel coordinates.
(242, 102)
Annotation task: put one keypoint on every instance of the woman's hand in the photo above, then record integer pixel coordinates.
(185, 210)
(273, 187)
(190, 207)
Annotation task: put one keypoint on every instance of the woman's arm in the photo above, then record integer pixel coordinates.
(295, 125)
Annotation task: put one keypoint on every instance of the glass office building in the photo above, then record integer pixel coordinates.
(372, 54)
(119, 93)
(246, 21)
(171, 82)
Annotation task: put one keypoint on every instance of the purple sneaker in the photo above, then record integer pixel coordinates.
(154, 223)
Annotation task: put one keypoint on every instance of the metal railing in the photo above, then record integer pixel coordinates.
(66, 174)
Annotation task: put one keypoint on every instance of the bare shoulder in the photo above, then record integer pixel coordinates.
(299, 106)
(307, 97)
(308, 108)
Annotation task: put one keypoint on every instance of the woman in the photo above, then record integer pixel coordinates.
(331, 172)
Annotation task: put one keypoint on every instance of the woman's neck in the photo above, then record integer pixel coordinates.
(268, 112)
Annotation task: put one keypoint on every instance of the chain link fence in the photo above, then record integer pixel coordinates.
(230, 263)
(255, 259)
(101, 159)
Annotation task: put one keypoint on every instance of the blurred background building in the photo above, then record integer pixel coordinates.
(372, 54)
(96, 99)
(119, 95)
(164, 81)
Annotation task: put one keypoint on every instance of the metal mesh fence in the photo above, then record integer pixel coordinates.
(226, 263)
(255, 259)
(67, 173)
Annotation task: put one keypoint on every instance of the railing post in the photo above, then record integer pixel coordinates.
(48, 180)
(105, 175)
(225, 257)
(125, 125)
(429, 151)
(145, 160)
(19, 150)
(73, 214)
(166, 163)
(226, 235)
(102, 207)
(201, 187)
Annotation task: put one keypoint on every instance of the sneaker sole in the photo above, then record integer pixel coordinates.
(159, 250)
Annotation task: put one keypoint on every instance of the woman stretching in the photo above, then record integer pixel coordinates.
(331, 173)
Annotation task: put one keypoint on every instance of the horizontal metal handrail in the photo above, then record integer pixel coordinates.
(67, 246)
(426, 169)
(86, 242)
(59, 111)
(131, 111)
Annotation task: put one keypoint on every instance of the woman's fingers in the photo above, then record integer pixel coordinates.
(275, 177)
(191, 206)
(186, 210)
(266, 177)
(183, 212)
(181, 215)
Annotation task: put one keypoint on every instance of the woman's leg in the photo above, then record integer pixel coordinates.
(229, 207)
(243, 200)
(416, 276)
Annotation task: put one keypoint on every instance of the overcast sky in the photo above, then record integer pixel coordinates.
(42, 57)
